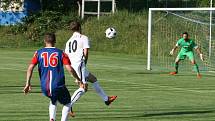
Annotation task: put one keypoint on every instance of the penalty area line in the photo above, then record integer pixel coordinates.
(162, 86)
(12, 69)
(133, 83)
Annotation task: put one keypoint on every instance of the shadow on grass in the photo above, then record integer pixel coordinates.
(18, 86)
(16, 89)
(123, 115)
(150, 72)
(175, 113)
(126, 116)
(178, 75)
(158, 114)
(192, 75)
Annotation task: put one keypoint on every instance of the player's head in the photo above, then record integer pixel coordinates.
(75, 26)
(185, 35)
(50, 38)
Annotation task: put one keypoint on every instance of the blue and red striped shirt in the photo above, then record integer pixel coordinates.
(50, 66)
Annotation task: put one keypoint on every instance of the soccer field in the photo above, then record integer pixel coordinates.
(142, 95)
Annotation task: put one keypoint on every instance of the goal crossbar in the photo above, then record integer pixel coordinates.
(181, 9)
(169, 9)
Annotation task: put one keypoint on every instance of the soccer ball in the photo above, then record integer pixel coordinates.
(110, 33)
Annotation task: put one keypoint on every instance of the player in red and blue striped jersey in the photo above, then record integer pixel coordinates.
(50, 68)
(50, 61)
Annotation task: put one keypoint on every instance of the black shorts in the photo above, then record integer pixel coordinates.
(61, 95)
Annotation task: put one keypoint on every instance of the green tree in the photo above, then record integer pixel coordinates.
(205, 3)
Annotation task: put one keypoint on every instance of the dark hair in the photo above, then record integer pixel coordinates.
(185, 33)
(50, 38)
(75, 26)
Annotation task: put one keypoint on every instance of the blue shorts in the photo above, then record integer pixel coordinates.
(61, 95)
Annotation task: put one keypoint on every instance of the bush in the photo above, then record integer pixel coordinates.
(131, 32)
(36, 25)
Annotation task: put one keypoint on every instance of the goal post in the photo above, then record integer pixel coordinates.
(150, 29)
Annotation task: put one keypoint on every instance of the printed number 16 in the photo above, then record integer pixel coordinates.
(52, 60)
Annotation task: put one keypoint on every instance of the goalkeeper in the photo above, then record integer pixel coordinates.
(187, 45)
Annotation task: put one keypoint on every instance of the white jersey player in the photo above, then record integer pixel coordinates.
(77, 48)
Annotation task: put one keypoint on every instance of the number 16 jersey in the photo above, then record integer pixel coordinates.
(75, 47)
(50, 66)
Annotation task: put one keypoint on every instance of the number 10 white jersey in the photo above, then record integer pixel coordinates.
(75, 47)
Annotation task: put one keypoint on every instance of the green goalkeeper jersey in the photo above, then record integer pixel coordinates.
(186, 46)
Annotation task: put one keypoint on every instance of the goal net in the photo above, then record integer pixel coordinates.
(165, 26)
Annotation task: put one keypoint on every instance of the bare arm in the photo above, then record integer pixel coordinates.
(175, 47)
(72, 72)
(27, 87)
(86, 51)
(84, 85)
(198, 50)
(173, 50)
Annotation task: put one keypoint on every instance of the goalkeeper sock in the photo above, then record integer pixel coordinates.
(52, 111)
(196, 68)
(100, 91)
(176, 67)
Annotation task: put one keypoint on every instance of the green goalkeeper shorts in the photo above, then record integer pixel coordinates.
(182, 55)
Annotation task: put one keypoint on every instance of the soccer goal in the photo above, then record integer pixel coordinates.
(165, 26)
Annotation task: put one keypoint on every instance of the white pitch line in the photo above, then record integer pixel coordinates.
(15, 69)
(162, 86)
(118, 67)
(17, 58)
(146, 84)
(174, 88)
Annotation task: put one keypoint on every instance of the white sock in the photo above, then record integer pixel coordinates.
(100, 91)
(52, 111)
(65, 112)
(76, 95)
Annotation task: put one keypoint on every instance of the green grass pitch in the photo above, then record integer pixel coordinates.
(142, 95)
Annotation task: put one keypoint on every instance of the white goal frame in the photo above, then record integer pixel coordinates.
(172, 9)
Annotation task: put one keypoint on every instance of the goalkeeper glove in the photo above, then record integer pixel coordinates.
(171, 52)
(201, 56)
